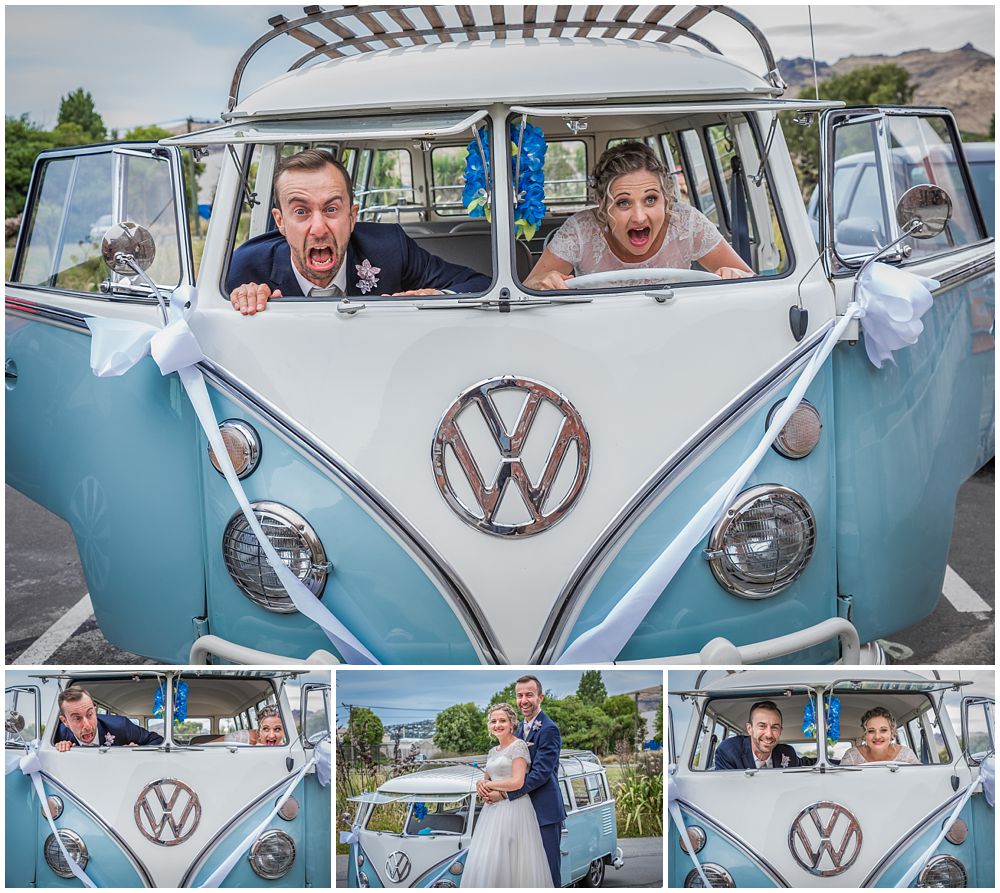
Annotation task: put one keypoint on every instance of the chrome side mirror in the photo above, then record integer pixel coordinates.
(923, 211)
(128, 246)
(13, 723)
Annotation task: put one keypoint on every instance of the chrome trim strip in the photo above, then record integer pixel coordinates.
(975, 267)
(464, 605)
(919, 828)
(731, 837)
(483, 638)
(209, 847)
(137, 863)
(665, 478)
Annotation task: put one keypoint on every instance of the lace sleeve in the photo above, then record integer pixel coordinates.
(852, 758)
(520, 749)
(704, 234)
(567, 243)
(906, 755)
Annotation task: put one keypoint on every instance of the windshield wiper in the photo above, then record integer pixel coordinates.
(503, 305)
(822, 769)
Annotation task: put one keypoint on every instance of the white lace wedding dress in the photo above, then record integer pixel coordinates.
(506, 848)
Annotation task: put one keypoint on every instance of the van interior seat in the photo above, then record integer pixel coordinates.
(472, 249)
(437, 822)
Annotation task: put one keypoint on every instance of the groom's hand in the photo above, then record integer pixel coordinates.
(493, 797)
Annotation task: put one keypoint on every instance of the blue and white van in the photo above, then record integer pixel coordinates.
(171, 815)
(415, 830)
(824, 824)
(488, 478)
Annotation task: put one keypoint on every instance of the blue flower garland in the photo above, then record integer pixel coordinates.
(832, 719)
(528, 167)
(180, 701)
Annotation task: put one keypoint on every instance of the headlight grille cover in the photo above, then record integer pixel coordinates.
(76, 848)
(294, 540)
(943, 871)
(763, 542)
(716, 874)
(272, 854)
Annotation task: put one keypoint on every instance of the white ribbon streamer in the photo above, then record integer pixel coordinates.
(987, 775)
(117, 345)
(674, 809)
(322, 756)
(222, 872)
(30, 766)
(893, 319)
(918, 866)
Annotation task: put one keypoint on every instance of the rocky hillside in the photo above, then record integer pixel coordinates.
(963, 80)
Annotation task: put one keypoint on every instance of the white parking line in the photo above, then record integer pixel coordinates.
(50, 641)
(961, 595)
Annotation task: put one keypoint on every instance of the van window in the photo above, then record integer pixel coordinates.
(699, 175)
(581, 792)
(447, 179)
(388, 186)
(438, 818)
(565, 172)
(977, 728)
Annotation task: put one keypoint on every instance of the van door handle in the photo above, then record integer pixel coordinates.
(10, 373)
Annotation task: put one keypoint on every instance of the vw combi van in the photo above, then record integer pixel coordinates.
(171, 815)
(489, 478)
(825, 823)
(425, 844)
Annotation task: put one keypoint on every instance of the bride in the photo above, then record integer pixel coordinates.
(506, 849)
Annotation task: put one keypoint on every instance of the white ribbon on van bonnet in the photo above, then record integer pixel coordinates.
(888, 303)
(30, 766)
(222, 872)
(673, 794)
(117, 345)
(987, 775)
(918, 866)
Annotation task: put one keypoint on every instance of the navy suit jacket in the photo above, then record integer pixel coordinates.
(122, 731)
(403, 264)
(736, 753)
(542, 781)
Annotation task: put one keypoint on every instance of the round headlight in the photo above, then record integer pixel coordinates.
(943, 871)
(76, 848)
(444, 883)
(456, 868)
(242, 444)
(697, 838)
(272, 854)
(361, 858)
(799, 436)
(763, 542)
(363, 880)
(716, 874)
(296, 544)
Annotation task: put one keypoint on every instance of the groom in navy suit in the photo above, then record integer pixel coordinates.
(320, 249)
(80, 725)
(542, 781)
(759, 748)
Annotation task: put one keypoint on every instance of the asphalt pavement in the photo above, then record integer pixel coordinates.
(49, 620)
(643, 864)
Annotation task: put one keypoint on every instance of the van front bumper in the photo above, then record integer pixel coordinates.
(207, 647)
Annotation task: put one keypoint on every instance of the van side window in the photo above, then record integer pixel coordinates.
(565, 173)
(389, 185)
(978, 728)
(581, 793)
(447, 176)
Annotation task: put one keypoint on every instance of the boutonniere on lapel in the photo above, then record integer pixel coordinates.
(535, 726)
(109, 739)
(367, 275)
(785, 761)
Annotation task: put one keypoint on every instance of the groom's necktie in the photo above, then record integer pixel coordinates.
(334, 291)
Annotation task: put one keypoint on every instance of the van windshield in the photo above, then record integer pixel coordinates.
(410, 817)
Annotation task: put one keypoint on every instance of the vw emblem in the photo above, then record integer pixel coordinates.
(825, 839)
(397, 866)
(547, 491)
(167, 812)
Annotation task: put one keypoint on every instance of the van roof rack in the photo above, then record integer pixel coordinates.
(365, 29)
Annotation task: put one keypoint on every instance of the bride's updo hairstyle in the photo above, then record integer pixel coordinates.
(265, 712)
(878, 711)
(627, 158)
(504, 708)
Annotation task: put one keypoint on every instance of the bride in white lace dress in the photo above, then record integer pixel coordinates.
(506, 849)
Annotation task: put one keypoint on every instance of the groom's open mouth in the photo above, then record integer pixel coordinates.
(321, 258)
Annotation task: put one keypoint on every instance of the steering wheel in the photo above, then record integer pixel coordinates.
(643, 274)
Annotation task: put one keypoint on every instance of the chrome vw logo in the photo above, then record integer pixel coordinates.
(167, 812)
(559, 435)
(825, 839)
(397, 866)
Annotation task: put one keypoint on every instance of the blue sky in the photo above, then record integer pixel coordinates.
(408, 695)
(155, 64)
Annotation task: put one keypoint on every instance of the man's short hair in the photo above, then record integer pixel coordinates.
(72, 694)
(310, 160)
(765, 705)
(535, 679)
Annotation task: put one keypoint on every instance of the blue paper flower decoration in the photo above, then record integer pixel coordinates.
(832, 719)
(527, 166)
(180, 701)
(420, 810)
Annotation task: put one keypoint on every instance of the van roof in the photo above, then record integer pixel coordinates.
(585, 70)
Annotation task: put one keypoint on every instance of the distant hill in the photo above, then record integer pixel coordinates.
(962, 80)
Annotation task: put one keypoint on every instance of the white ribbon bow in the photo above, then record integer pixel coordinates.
(117, 345)
(987, 775)
(322, 756)
(890, 320)
(673, 807)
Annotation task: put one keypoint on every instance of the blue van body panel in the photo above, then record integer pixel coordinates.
(23, 814)
(113, 458)
(718, 851)
(316, 812)
(371, 570)
(907, 436)
(695, 608)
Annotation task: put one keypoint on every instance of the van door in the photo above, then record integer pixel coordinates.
(22, 724)
(315, 720)
(909, 434)
(85, 448)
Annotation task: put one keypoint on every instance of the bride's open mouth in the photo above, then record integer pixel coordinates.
(639, 237)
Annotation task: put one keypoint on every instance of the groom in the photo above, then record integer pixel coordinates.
(541, 783)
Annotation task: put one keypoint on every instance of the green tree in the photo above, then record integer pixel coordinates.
(581, 725)
(884, 84)
(461, 728)
(78, 108)
(624, 714)
(23, 140)
(591, 689)
(505, 696)
(365, 728)
(148, 134)
(659, 722)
